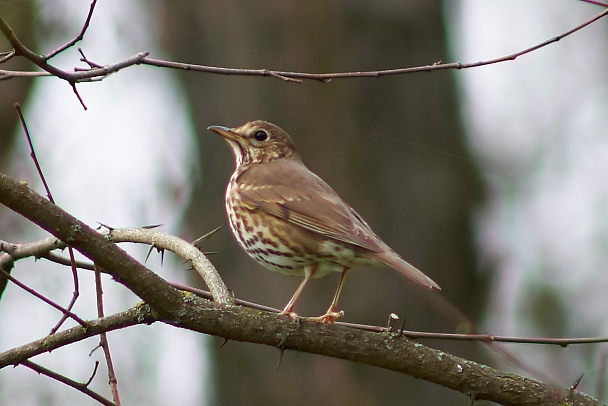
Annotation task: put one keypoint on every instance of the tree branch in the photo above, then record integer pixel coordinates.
(185, 310)
(42, 249)
(143, 282)
(182, 248)
(384, 350)
(81, 387)
(99, 73)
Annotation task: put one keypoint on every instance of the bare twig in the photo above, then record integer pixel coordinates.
(8, 74)
(103, 339)
(182, 248)
(326, 77)
(6, 56)
(95, 74)
(40, 60)
(86, 60)
(78, 37)
(138, 315)
(597, 3)
(43, 298)
(81, 387)
(26, 131)
(76, 291)
(95, 367)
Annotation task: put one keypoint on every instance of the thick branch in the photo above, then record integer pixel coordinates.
(243, 324)
(385, 350)
(105, 253)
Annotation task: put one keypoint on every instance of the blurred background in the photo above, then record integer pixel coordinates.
(491, 180)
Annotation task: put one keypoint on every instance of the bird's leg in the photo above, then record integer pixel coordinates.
(332, 313)
(309, 271)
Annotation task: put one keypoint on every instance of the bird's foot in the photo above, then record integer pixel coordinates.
(288, 312)
(329, 317)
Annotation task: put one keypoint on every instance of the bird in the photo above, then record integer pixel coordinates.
(292, 222)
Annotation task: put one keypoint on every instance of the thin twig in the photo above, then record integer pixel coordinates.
(95, 367)
(6, 56)
(325, 77)
(76, 291)
(103, 338)
(597, 3)
(96, 74)
(26, 131)
(78, 37)
(43, 298)
(81, 387)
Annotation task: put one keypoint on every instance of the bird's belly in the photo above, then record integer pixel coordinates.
(285, 248)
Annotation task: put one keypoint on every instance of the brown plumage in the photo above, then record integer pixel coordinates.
(290, 221)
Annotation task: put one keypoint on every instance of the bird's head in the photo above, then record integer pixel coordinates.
(256, 142)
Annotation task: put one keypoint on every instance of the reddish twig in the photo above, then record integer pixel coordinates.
(140, 314)
(76, 291)
(103, 338)
(95, 74)
(26, 131)
(326, 77)
(43, 298)
(81, 387)
(40, 60)
(95, 367)
(597, 3)
(78, 37)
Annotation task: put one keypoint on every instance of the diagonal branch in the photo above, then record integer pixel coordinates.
(81, 387)
(65, 311)
(78, 37)
(143, 282)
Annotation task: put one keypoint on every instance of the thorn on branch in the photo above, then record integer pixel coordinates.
(205, 237)
(574, 387)
(393, 318)
(223, 344)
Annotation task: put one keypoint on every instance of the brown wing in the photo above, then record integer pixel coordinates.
(288, 190)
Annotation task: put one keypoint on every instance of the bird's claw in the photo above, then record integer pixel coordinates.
(329, 317)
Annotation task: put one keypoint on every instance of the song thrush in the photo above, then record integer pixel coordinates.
(290, 221)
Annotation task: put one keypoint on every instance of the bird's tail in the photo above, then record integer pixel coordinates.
(394, 261)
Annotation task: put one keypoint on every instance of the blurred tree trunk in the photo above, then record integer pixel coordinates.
(392, 147)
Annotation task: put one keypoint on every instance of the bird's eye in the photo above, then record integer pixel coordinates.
(261, 135)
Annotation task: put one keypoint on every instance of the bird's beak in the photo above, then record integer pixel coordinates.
(224, 132)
